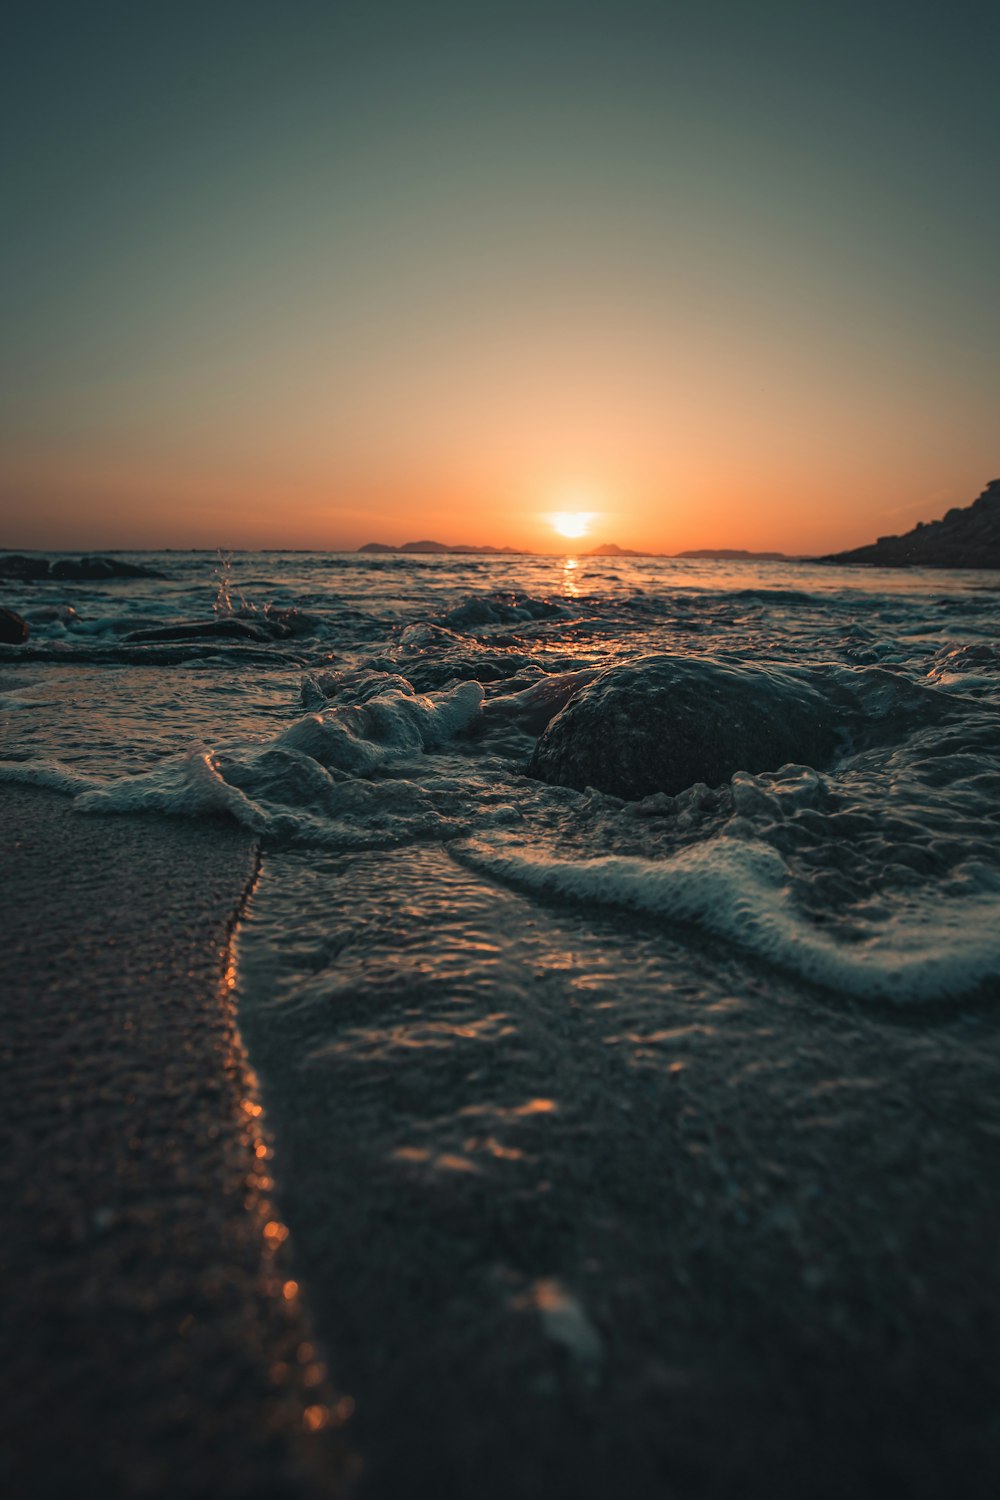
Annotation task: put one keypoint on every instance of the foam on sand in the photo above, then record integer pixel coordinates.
(307, 782)
(739, 891)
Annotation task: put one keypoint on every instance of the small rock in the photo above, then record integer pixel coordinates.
(14, 565)
(194, 630)
(13, 630)
(99, 569)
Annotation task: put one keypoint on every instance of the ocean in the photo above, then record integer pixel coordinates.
(376, 723)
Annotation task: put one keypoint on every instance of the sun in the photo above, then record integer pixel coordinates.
(571, 523)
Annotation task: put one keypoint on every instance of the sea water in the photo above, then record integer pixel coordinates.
(374, 732)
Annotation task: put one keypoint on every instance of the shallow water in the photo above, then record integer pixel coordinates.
(399, 708)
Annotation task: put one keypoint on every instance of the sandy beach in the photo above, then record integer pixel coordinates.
(149, 1347)
(766, 1266)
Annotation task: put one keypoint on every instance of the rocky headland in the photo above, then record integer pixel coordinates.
(966, 537)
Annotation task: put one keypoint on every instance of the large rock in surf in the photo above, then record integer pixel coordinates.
(661, 723)
(13, 630)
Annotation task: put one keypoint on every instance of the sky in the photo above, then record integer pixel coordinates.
(309, 274)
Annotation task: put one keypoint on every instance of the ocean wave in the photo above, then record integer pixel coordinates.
(928, 951)
(309, 783)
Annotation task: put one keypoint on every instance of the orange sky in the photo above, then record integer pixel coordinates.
(72, 504)
(326, 280)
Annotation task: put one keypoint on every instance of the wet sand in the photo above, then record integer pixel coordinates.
(148, 1346)
(747, 1253)
(576, 1229)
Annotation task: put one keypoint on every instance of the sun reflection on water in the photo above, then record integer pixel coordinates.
(303, 1397)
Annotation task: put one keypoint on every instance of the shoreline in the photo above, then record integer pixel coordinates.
(752, 1254)
(152, 1346)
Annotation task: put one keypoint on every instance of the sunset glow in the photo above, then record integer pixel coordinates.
(460, 252)
(571, 524)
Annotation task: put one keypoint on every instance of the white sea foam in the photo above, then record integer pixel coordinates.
(190, 784)
(739, 891)
(360, 738)
(50, 774)
(305, 784)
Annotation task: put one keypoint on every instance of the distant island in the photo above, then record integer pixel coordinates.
(725, 554)
(736, 554)
(606, 549)
(439, 547)
(612, 549)
(966, 537)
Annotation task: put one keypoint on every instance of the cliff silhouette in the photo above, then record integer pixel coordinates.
(966, 537)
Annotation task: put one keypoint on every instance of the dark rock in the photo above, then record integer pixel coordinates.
(281, 622)
(89, 568)
(195, 630)
(502, 609)
(661, 723)
(269, 625)
(28, 569)
(13, 630)
(100, 569)
(963, 538)
(431, 673)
